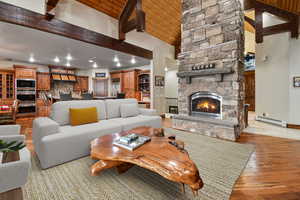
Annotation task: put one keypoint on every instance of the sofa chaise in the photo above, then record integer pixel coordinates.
(56, 141)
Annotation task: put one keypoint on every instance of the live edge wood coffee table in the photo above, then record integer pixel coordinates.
(163, 155)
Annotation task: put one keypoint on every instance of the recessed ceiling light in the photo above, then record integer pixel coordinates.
(69, 57)
(68, 64)
(91, 61)
(31, 59)
(95, 65)
(118, 64)
(116, 59)
(56, 59)
(133, 61)
(166, 69)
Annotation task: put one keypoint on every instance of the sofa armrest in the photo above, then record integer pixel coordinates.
(10, 138)
(44, 126)
(149, 112)
(15, 173)
(9, 130)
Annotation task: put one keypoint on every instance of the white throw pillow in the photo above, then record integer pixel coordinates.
(129, 110)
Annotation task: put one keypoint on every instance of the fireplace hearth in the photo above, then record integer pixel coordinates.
(206, 104)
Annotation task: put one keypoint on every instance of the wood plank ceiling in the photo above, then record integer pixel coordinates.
(163, 17)
(292, 6)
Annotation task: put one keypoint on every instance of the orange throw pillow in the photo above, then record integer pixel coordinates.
(79, 116)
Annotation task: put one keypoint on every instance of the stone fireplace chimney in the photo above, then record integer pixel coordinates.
(211, 85)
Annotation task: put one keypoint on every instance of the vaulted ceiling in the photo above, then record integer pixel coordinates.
(163, 17)
(292, 6)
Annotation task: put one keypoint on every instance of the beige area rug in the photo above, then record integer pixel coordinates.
(220, 164)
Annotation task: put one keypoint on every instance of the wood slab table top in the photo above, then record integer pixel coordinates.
(159, 155)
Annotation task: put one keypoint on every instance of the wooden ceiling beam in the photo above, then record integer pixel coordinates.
(51, 4)
(137, 23)
(250, 21)
(275, 29)
(249, 4)
(291, 26)
(20, 16)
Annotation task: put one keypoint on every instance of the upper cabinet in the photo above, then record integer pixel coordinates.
(23, 72)
(43, 81)
(82, 84)
(7, 87)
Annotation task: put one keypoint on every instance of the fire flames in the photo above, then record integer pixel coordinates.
(206, 106)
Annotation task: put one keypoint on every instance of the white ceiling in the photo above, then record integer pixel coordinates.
(19, 43)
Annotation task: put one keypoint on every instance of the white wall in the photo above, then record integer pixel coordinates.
(171, 84)
(33, 5)
(249, 42)
(4, 64)
(275, 94)
(294, 93)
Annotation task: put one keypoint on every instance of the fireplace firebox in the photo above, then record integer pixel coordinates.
(206, 104)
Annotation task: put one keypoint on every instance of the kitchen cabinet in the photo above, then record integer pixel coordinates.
(23, 72)
(129, 83)
(43, 81)
(82, 84)
(7, 86)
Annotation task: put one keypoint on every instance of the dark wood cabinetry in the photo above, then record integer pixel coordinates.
(43, 81)
(250, 89)
(7, 85)
(82, 84)
(130, 84)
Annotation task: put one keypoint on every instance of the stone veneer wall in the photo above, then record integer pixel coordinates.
(212, 32)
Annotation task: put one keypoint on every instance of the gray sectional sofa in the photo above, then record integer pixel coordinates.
(56, 141)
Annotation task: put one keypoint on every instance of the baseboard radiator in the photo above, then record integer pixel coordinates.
(272, 121)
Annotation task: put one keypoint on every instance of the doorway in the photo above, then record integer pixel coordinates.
(100, 87)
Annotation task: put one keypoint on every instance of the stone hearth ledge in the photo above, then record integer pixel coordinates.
(217, 128)
(215, 121)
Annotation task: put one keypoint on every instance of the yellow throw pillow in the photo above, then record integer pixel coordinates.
(79, 116)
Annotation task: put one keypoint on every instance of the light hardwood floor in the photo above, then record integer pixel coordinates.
(272, 173)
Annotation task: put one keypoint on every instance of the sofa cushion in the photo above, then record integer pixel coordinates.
(113, 106)
(80, 116)
(60, 110)
(137, 121)
(129, 110)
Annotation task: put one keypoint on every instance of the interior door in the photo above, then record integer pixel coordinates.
(100, 87)
(250, 89)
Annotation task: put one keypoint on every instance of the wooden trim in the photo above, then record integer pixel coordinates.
(46, 73)
(23, 67)
(20, 16)
(294, 126)
(62, 67)
(7, 70)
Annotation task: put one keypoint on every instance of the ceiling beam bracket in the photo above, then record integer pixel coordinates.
(50, 5)
(292, 24)
(138, 23)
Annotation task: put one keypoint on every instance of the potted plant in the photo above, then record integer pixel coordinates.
(10, 150)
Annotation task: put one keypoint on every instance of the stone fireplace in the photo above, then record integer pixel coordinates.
(211, 84)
